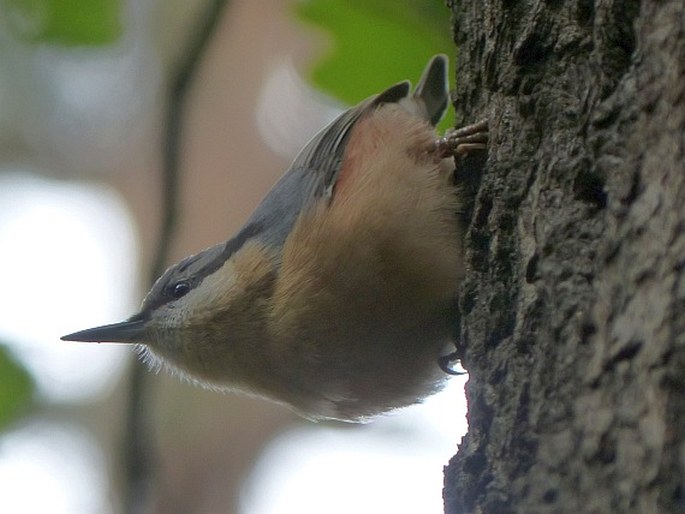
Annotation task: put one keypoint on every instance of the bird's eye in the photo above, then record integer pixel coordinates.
(180, 289)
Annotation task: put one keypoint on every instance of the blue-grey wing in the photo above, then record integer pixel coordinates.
(314, 171)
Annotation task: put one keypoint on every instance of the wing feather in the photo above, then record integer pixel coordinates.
(314, 172)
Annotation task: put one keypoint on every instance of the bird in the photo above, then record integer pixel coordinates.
(337, 295)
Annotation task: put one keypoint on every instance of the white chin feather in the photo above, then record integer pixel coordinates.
(156, 363)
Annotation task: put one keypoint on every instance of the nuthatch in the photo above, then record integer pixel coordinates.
(336, 295)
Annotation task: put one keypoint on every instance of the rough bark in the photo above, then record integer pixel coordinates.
(573, 311)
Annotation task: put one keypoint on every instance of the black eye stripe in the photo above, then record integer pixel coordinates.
(170, 286)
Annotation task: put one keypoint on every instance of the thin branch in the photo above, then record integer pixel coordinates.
(138, 451)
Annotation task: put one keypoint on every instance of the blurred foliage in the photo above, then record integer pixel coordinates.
(382, 41)
(16, 388)
(376, 43)
(64, 22)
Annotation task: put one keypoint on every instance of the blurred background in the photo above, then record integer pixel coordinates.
(87, 91)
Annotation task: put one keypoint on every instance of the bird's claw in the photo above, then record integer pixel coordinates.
(461, 141)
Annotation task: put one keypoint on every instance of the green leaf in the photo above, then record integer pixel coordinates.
(64, 22)
(16, 388)
(376, 43)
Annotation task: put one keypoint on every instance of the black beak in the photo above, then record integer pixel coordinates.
(130, 331)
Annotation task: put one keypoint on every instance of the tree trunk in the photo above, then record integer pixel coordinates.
(573, 309)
